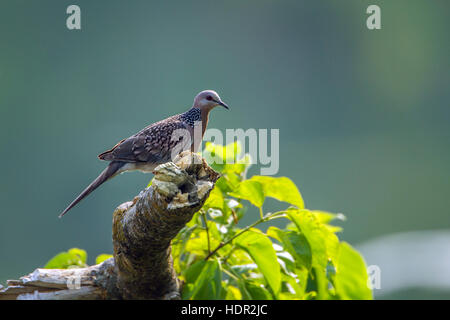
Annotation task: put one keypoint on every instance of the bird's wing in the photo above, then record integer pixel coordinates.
(153, 144)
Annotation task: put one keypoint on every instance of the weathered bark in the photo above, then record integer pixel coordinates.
(142, 266)
(94, 282)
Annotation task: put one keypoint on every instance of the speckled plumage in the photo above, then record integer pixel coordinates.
(191, 116)
(155, 144)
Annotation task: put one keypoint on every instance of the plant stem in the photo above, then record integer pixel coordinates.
(229, 254)
(203, 214)
(268, 217)
(230, 274)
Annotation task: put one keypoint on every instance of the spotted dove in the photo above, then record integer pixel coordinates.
(155, 144)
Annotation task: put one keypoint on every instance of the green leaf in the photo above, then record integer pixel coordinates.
(302, 278)
(319, 283)
(228, 153)
(203, 281)
(214, 156)
(192, 273)
(179, 253)
(82, 254)
(72, 258)
(215, 199)
(225, 158)
(324, 243)
(239, 167)
(233, 293)
(239, 259)
(251, 191)
(281, 188)
(260, 249)
(102, 257)
(228, 182)
(198, 243)
(294, 243)
(257, 292)
(310, 295)
(326, 217)
(351, 275)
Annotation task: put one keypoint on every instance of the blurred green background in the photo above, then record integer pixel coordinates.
(363, 115)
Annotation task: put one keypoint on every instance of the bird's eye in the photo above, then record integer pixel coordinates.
(209, 98)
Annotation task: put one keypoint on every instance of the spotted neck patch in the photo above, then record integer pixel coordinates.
(190, 116)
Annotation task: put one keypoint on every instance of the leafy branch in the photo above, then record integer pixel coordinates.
(305, 260)
(269, 216)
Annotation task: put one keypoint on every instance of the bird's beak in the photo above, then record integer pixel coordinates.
(223, 104)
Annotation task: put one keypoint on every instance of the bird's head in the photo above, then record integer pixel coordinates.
(207, 100)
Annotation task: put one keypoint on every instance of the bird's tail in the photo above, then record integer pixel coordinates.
(110, 171)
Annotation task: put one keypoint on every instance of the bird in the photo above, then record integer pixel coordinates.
(157, 143)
